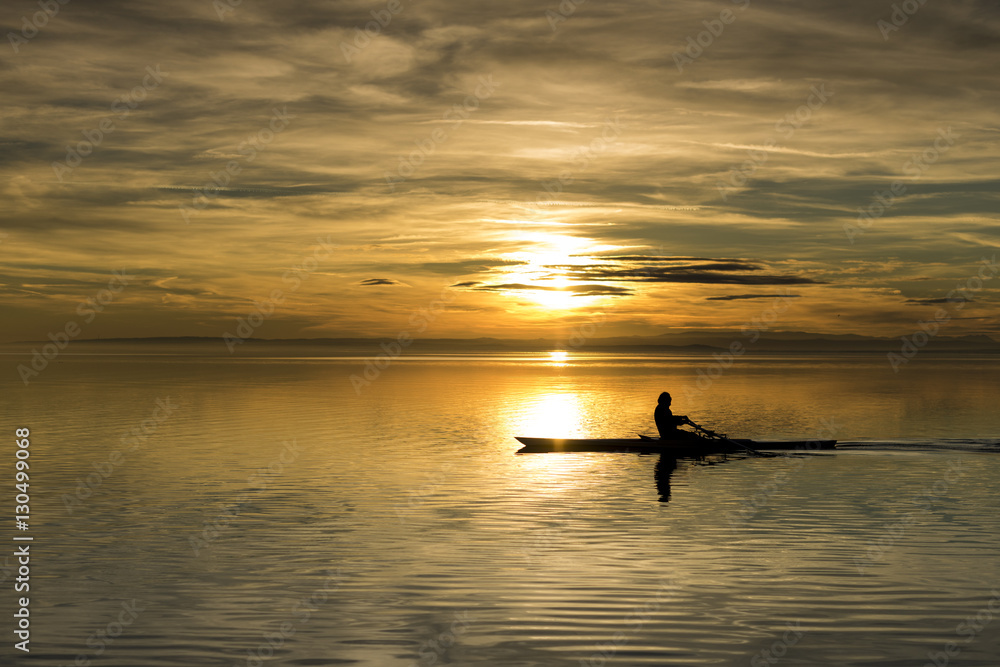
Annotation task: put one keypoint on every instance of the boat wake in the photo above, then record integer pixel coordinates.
(948, 444)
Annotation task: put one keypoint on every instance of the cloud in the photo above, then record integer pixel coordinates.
(530, 171)
(380, 281)
(937, 300)
(733, 85)
(654, 258)
(792, 151)
(711, 273)
(734, 297)
(576, 290)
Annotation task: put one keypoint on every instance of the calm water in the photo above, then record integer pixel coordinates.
(270, 515)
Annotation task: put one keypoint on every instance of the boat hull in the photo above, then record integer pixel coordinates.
(672, 447)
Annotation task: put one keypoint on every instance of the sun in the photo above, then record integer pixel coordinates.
(558, 296)
(542, 268)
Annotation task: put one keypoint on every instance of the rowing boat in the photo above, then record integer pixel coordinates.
(686, 447)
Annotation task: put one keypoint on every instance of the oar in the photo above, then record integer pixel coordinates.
(713, 434)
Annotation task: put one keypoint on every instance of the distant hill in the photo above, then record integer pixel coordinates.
(693, 343)
(800, 341)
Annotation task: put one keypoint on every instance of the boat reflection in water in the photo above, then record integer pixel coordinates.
(666, 465)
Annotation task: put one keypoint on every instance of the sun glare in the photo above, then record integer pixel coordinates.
(542, 266)
(557, 415)
(554, 299)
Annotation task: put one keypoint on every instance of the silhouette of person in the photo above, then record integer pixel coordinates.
(661, 473)
(667, 422)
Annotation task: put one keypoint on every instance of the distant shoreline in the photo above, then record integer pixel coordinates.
(686, 344)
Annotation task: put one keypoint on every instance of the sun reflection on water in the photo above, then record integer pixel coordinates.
(558, 357)
(555, 415)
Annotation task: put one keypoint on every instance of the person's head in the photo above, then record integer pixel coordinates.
(664, 399)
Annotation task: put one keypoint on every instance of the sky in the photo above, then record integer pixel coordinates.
(516, 169)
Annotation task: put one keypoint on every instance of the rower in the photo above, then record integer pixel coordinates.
(667, 422)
